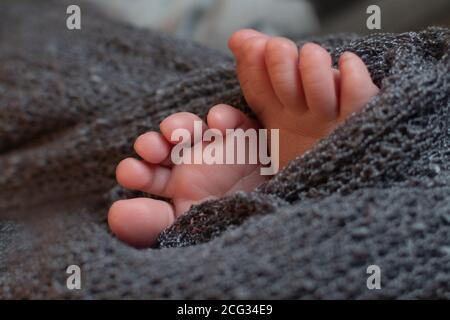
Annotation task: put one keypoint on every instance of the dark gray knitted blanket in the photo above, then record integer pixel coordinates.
(376, 192)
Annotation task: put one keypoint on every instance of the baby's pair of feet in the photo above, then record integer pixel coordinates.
(295, 91)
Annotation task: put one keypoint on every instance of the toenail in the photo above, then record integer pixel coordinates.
(347, 56)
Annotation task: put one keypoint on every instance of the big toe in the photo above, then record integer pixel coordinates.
(139, 221)
(238, 38)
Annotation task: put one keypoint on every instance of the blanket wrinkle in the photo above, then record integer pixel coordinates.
(375, 192)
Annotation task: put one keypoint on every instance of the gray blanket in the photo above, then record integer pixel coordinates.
(375, 192)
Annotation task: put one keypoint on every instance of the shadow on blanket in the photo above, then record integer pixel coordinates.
(376, 192)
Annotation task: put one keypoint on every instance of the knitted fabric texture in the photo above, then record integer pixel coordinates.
(375, 192)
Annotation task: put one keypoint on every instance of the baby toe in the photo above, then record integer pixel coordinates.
(138, 175)
(357, 87)
(282, 65)
(175, 127)
(152, 147)
(223, 117)
(318, 79)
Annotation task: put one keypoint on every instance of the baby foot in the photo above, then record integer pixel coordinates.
(139, 221)
(298, 92)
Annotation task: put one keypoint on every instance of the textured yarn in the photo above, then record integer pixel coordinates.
(375, 192)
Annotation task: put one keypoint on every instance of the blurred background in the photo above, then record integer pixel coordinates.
(211, 22)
